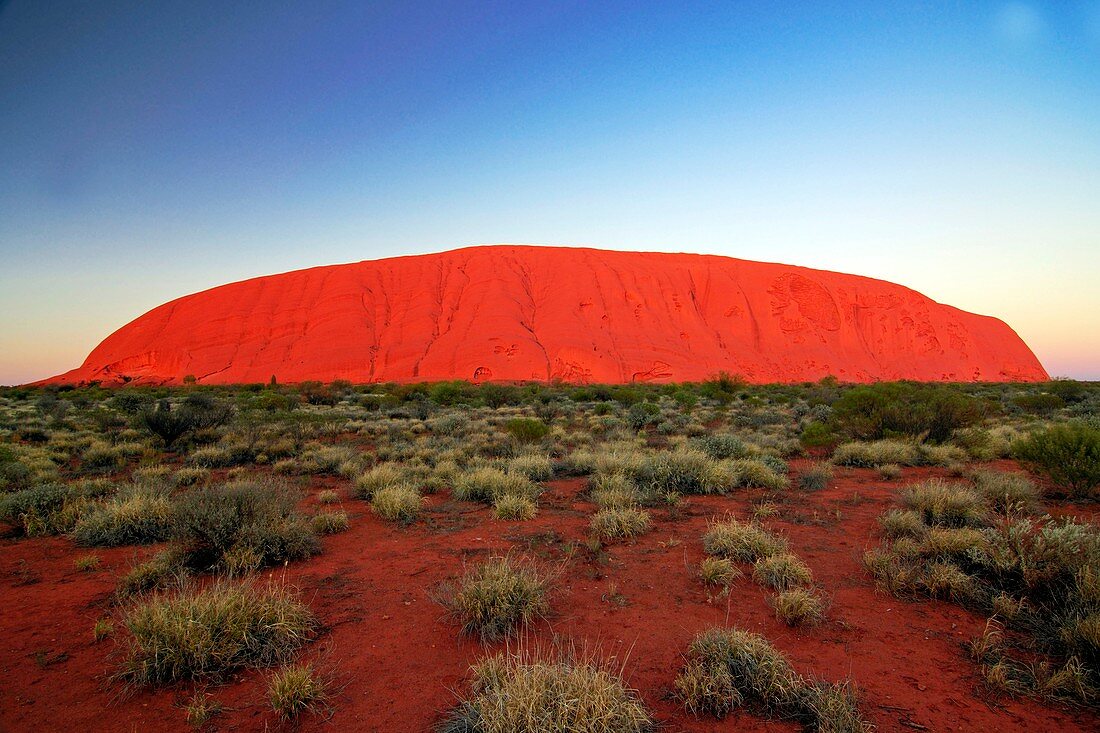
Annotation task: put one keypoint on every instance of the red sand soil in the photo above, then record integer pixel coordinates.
(400, 662)
(514, 313)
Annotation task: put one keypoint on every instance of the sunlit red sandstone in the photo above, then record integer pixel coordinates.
(546, 313)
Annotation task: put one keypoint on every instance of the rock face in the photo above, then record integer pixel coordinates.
(549, 313)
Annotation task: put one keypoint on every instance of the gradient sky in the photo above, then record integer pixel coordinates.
(152, 149)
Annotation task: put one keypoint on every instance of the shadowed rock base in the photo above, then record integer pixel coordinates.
(551, 313)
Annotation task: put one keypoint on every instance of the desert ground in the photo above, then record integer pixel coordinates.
(712, 556)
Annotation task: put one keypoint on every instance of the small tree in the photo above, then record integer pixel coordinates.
(168, 424)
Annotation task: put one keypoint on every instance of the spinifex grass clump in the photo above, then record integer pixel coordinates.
(1038, 575)
(135, 515)
(617, 523)
(498, 597)
(296, 689)
(731, 668)
(206, 633)
(401, 503)
(243, 525)
(531, 694)
(49, 509)
(489, 484)
(735, 540)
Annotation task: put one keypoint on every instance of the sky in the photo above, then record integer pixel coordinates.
(150, 150)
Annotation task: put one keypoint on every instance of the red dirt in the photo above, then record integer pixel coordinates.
(400, 662)
(549, 313)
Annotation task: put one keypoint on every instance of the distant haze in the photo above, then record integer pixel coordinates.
(150, 150)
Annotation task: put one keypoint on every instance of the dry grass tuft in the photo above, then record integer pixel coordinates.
(498, 597)
(206, 633)
(513, 694)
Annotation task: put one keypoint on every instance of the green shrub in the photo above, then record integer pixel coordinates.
(207, 633)
(887, 409)
(527, 430)
(818, 435)
(547, 696)
(196, 413)
(1068, 454)
(243, 524)
(642, 415)
(497, 597)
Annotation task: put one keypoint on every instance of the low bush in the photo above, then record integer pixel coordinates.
(681, 472)
(613, 491)
(527, 430)
(497, 597)
(207, 633)
(1068, 454)
(382, 476)
(243, 525)
(757, 473)
(886, 409)
(102, 457)
(517, 695)
(534, 467)
(47, 509)
(722, 446)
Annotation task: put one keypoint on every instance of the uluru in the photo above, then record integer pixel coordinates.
(527, 313)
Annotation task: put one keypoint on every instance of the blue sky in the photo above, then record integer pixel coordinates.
(154, 149)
